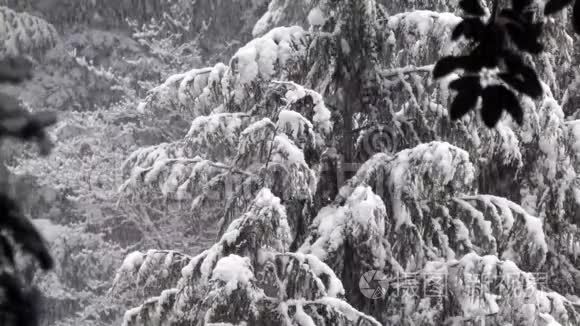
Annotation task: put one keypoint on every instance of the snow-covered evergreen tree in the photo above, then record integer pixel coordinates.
(22, 33)
(325, 150)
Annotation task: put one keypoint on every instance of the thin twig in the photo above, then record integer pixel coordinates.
(406, 70)
(272, 146)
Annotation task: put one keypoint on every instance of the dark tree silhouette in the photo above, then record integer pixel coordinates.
(18, 300)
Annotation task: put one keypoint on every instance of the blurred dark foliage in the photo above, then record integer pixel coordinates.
(19, 300)
(498, 43)
(553, 6)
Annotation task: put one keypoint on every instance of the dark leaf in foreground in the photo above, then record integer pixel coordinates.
(576, 17)
(469, 90)
(525, 39)
(520, 76)
(19, 304)
(472, 7)
(447, 65)
(554, 6)
(466, 84)
(490, 47)
(9, 106)
(463, 103)
(15, 121)
(27, 126)
(7, 250)
(444, 67)
(519, 5)
(19, 301)
(15, 70)
(23, 232)
(511, 104)
(491, 108)
(514, 82)
(470, 28)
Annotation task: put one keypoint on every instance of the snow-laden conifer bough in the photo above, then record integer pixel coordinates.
(18, 300)
(496, 68)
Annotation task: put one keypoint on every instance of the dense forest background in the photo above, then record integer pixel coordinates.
(95, 60)
(221, 162)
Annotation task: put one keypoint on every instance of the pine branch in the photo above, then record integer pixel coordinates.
(213, 164)
(231, 169)
(271, 147)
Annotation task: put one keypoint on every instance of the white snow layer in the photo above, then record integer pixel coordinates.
(236, 271)
(316, 17)
(132, 261)
(362, 215)
(416, 27)
(322, 115)
(294, 123)
(261, 56)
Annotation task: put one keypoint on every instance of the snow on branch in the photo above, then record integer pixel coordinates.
(149, 272)
(297, 95)
(255, 155)
(263, 59)
(266, 214)
(432, 171)
(509, 230)
(280, 13)
(359, 223)
(297, 128)
(271, 159)
(422, 36)
(234, 271)
(216, 136)
(413, 185)
(574, 127)
(307, 312)
(249, 276)
(174, 166)
(197, 91)
(480, 286)
(548, 142)
(236, 87)
(262, 145)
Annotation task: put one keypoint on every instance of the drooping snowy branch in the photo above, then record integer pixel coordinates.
(198, 91)
(505, 229)
(412, 35)
(248, 277)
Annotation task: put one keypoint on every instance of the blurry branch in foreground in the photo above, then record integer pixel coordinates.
(19, 300)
